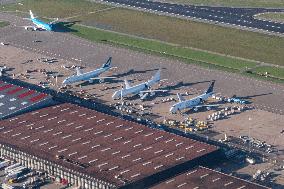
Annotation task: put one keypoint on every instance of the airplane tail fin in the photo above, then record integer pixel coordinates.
(156, 78)
(78, 71)
(126, 83)
(211, 87)
(108, 63)
(31, 15)
(180, 98)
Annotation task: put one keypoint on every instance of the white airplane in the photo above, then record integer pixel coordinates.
(89, 76)
(194, 102)
(143, 89)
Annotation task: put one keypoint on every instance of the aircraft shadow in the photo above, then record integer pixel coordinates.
(180, 85)
(64, 26)
(132, 71)
(252, 96)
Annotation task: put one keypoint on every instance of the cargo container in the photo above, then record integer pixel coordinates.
(4, 164)
(11, 167)
(6, 186)
(16, 174)
(16, 169)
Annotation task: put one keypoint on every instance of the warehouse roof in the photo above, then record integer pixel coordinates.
(206, 178)
(113, 149)
(15, 98)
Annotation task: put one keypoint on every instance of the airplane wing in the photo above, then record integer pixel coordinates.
(180, 98)
(27, 26)
(112, 68)
(30, 27)
(149, 91)
(207, 105)
(54, 21)
(103, 78)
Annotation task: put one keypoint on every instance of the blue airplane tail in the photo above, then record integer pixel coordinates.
(108, 63)
(211, 87)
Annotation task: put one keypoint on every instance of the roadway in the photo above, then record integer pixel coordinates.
(264, 95)
(237, 17)
(4, 2)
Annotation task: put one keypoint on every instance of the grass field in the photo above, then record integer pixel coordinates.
(157, 47)
(279, 17)
(3, 24)
(217, 39)
(188, 55)
(56, 8)
(234, 3)
(275, 72)
(171, 37)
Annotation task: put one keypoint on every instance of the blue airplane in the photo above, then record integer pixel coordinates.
(40, 25)
(234, 99)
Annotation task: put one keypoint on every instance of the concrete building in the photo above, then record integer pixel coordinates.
(98, 151)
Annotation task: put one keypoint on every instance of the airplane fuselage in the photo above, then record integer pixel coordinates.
(42, 25)
(188, 104)
(85, 76)
(130, 91)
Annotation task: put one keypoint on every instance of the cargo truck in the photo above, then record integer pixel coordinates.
(4, 164)
(12, 167)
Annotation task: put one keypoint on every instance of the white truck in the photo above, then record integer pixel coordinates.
(6, 186)
(14, 175)
(13, 166)
(20, 168)
(18, 173)
(4, 164)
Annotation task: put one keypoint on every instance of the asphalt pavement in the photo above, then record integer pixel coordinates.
(264, 95)
(237, 17)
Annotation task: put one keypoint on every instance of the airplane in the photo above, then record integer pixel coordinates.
(39, 25)
(89, 76)
(194, 102)
(143, 89)
(234, 99)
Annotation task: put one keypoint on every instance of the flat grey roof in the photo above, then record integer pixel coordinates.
(110, 148)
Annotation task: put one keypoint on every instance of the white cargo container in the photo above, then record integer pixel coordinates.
(14, 175)
(16, 169)
(13, 166)
(6, 186)
(4, 164)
